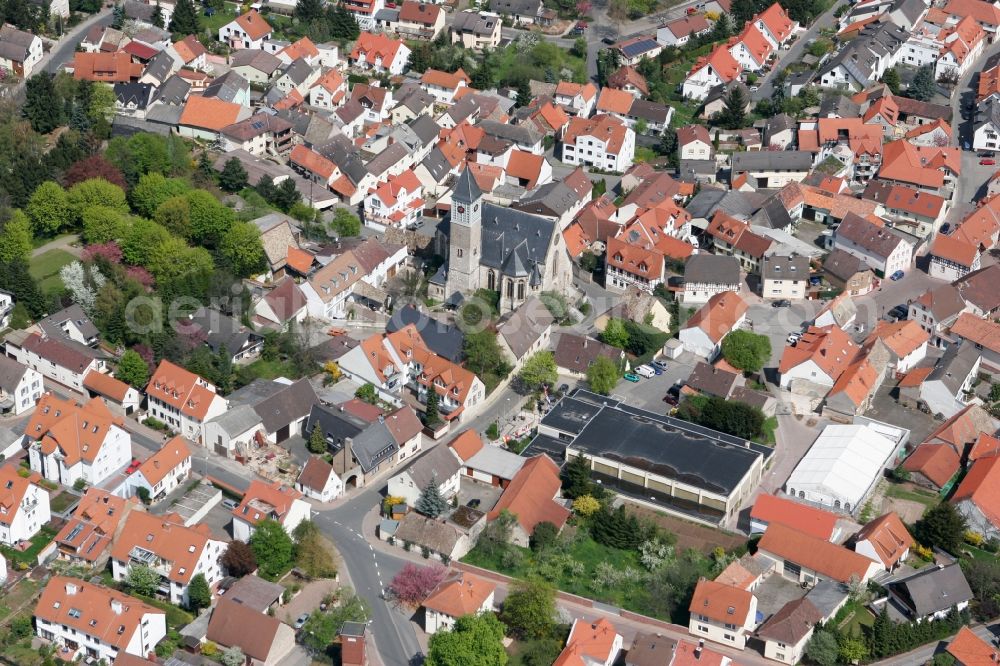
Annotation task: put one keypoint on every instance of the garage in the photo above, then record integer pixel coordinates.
(282, 434)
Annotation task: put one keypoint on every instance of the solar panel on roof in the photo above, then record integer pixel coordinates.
(638, 48)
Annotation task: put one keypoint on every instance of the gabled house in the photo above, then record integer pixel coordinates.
(247, 31)
(591, 644)
(722, 613)
(603, 141)
(787, 632)
(456, 596)
(20, 386)
(380, 53)
(162, 472)
(58, 359)
(703, 333)
(268, 501)
(183, 400)
(948, 388)
(170, 548)
(69, 441)
(884, 540)
(533, 496)
(808, 559)
(104, 624)
(706, 275)
(318, 481)
(397, 202)
(525, 331)
(88, 533)
(24, 506)
(952, 258)
(441, 464)
(718, 68)
(680, 31)
(476, 30)
(976, 497)
(444, 86)
(773, 509)
(982, 334)
(884, 250)
(929, 594)
(263, 639)
(818, 359)
(969, 649)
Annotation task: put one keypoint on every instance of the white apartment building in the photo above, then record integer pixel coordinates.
(183, 400)
(24, 506)
(20, 386)
(603, 141)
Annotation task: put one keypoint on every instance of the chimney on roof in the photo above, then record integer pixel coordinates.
(116, 606)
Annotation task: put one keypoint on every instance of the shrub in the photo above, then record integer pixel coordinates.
(493, 432)
(924, 553)
(80, 484)
(973, 538)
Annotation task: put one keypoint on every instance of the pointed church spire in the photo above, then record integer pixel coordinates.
(466, 190)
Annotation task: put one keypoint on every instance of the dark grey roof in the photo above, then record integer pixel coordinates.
(10, 374)
(265, 62)
(173, 91)
(880, 241)
(388, 158)
(524, 326)
(373, 445)
(132, 93)
(843, 265)
(387, 15)
(514, 242)
(160, 67)
(290, 403)
(227, 87)
(839, 106)
(222, 330)
(639, 47)
(911, 10)
(875, 42)
(139, 11)
(466, 189)
(237, 420)
(438, 463)
(52, 325)
(711, 380)
(738, 204)
(436, 164)
(932, 590)
(652, 111)
(442, 338)
(785, 267)
(474, 22)
(519, 134)
(14, 43)
(341, 151)
(772, 214)
(425, 128)
(571, 415)
(772, 160)
(415, 98)
(954, 367)
(336, 425)
(463, 108)
(779, 123)
(694, 168)
(516, 7)
(712, 269)
(255, 592)
(723, 89)
(988, 112)
(551, 199)
(298, 71)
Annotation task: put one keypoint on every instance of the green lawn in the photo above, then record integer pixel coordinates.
(16, 596)
(45, 269)
(39, 541)
(176, 617)
(978, 553)
(62, 501)
(852, 617)
(770, 426)
(911, 493)
(262, 369)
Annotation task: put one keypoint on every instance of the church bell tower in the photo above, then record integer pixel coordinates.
(465, 236)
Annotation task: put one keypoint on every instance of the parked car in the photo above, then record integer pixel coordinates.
(474, 503)
(793, 338)
(564, 388)
(608, 40)
(629, 377)
(781, 303)
(229, 504)
(670, 399)
(133, 466)
(815, 280)
(662, 365)
(898, 275)
(300, 621)
(988, 161)
(900, 311)
(645, 371)
(945, 229)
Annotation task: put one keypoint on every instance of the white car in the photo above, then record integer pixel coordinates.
(793, 338)
(644, 371)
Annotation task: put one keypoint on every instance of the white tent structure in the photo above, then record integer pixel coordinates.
(841, 467)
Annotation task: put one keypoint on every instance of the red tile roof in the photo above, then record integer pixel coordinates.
(106, 385)
(968, 649)
(722, 63)
(830, 560)
(955, 249)
(266, 500)
(772, 509)
(164, 461)
(937, 462)
(981, 486)
(829, 347)
(181, 389)
(209, 113)
(719, 315)
(889, 538)
(721, 602)
(460, 594)
(588, 644)
(530, 495)
(254, 25)
(778, 22)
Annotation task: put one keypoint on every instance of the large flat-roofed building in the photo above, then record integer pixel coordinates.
(666, 463)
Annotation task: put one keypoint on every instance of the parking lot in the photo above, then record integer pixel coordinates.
(648, 393)
(777, 323)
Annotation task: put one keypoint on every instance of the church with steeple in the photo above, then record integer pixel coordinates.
(492, 247)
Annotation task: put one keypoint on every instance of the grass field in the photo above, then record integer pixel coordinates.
(912, 493)
(39, 541)
(17, 596)
(62, 501)
(45, 269)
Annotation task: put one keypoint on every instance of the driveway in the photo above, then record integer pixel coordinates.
(307, 600)
(648, 393)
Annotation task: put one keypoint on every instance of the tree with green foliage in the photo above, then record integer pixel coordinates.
(822, 648)
(317, 441)
(942, 526)
(273, 548)
(286, 195)
(313, 553)
(210, 220)
(157, 18)
(746, 351)
(323, 627)
(233, 656)
(102, 224)
(42, 108)
(483, 356)
(308, 11)
(342, 24)
(142, 580)
(524, 96)
(431, 502)
(494, 540)
(614, 334)
(723, 28)
(16, 238)
(579, 48)
(529, 611)
(538, 370)
(476, 640)
(891, 79)
(152, 190)
(543, 536)
(880, 638)
(367, 393)
(734, 418)
(143, 494)
(233, 177)
(575, 476)
(132, 369)
(345, 224)
(49, 209)
(185, 20)
(733, 114)
(243, 249)
(16, 279)
(617, 528)
(118, 16)
(923, 86)
(96, 192)
(603, 375)
(142, 241)
(239, 559)
(199, 594)
(432, 413)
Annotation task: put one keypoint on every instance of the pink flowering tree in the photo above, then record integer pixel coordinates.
(109, 251)
(140, 275)
(414, 583)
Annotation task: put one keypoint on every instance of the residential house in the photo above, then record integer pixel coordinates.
(575, 98)
(920, 212)
(776, 25)
(929, 594)
(591, 643)
(884, 540)
(255, 66)
(784, 276)
(205, 117)
(714, 381)
(183, 400)
(808, 559)
(106, 67)
(71, 323)
(393, 361)
(703, 333)
(247, 31)
(97, 520)
(905, 340)
(422, 21)
(521, 11)
(948, 388)
(488, 464)
(397, 202)
(818, 359)
(69, 441)
(533, 496)
(261, 134)
(936, 310)
(770, 169)
(680, 31)
(722, 613)
(329, 91)
(786, 633)
(20, 51)
(716, 69)
(774, 509)
(952, 258)
(575, 353)
(456, 596)
(476, 30)
(380, 53)
(695, 143)
(848, 273)
(189, 52)
(20, 386)
(883, 249)
(443, 86)
(440, 464)
(268, 501)
(318, 481)
(602, 141)
(933, 465)
(840, 311)
(780, 132)
(525, 332)
(24, 506)
(864, 60)
(59, 360)
(706, 275)
(932, 169)
(634, 50)
(975, 498)
(84, 619)
(969, 649)
(263, 639)
(984, 336)
(164, 471)
(174, 551)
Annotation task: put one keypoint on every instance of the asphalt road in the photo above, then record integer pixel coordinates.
(63, 53)
(794, 53)
(370, 571)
